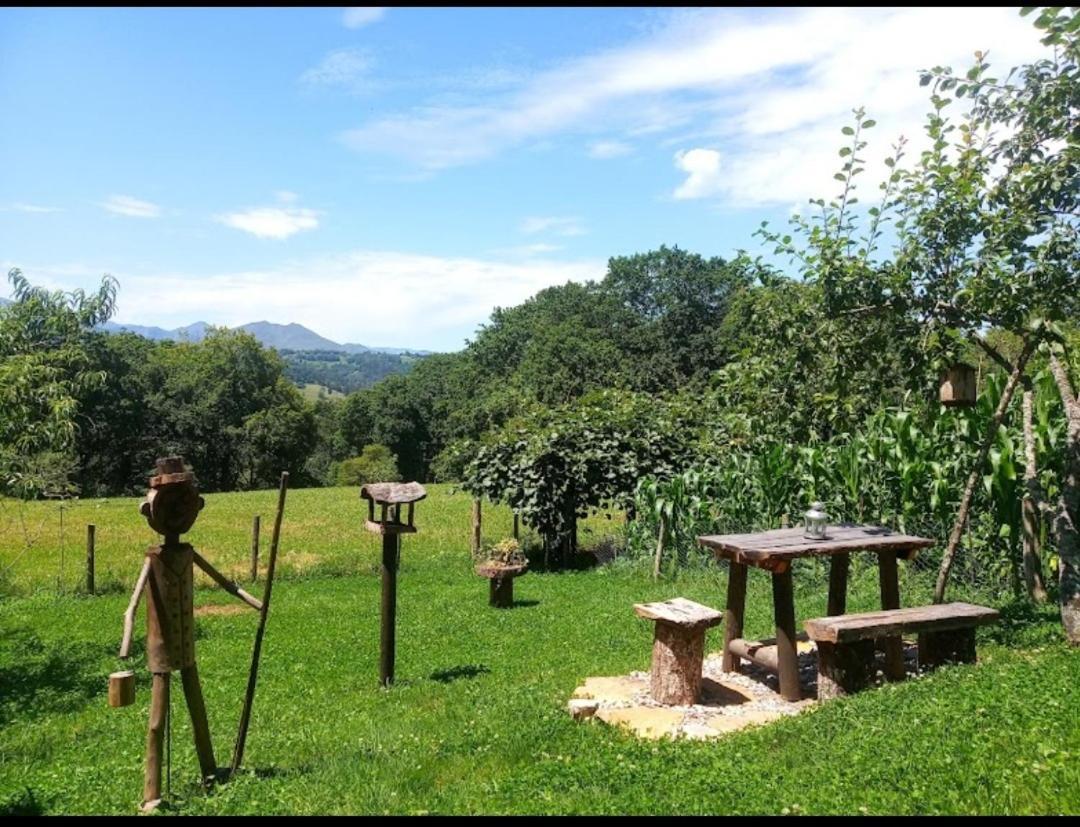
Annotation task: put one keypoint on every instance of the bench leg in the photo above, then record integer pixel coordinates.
(501, 592)
(843, 668)
(676, 664)
(890, 599)
(952, 646)
(787, 658)
(734, 613)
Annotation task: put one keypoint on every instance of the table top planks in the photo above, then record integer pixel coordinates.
(776, 549)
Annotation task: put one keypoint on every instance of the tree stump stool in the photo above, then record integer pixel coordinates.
(678, 648)
(501, 583)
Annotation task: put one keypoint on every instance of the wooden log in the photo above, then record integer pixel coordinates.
(678, 653)
(786, 654)
(948, 646)
(155, 740)
(501, 592)
(843, 668)
(389, 608)
(90, 528)
(255, 549)
(893, 646)
(517, 528)
(122, 688)
(734, 613)
(200, 725)
(764, 656)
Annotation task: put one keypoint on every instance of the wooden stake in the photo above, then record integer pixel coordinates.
(255, 549)
(90, 558)
(476, 516)
(659, 547)
(249, 697)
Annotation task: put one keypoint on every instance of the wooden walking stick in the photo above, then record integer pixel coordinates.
(249, 698)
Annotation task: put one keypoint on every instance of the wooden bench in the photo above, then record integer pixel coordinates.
(845, 643)
(678, 647)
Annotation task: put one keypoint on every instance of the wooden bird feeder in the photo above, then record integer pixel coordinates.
(389, 497)
(958, 386)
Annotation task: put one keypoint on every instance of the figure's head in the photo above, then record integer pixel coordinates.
(173, 501)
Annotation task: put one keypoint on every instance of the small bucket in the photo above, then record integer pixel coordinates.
(121, 688)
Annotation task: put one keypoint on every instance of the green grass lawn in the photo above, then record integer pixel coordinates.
(476, 722)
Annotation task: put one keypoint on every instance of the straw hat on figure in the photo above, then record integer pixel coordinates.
(171, 506)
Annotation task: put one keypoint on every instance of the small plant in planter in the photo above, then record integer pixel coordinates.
(501, 563)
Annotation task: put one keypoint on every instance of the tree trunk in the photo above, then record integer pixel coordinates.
(976, 471)
(1068, 511)
(1033, 576)
(659, 547)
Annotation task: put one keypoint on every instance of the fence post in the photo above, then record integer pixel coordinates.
(255, 549)
(90, 557)
(476, 517)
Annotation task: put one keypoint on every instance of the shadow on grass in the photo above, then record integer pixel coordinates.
(21, 803)
(1024, 623)
(38, 677)
(522, 604)
(458, 672)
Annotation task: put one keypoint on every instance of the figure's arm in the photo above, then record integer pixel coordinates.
(228, 585)
(129, 615)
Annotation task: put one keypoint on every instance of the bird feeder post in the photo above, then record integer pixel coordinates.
(390, 497)
(958, 386)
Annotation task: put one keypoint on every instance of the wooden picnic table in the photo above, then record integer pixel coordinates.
(774, 551)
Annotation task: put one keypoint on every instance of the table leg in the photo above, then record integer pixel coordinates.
(838, 574)
(890, 599)
(734, 613)
(787, 659)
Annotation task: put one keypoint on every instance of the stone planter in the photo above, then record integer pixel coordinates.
(501, 580)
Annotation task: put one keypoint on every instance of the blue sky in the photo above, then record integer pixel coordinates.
(388, 176)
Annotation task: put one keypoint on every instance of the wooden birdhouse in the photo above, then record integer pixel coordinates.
(958, 386)
(389, 497)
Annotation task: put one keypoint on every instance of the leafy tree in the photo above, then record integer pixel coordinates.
(376, 463)
(44, 369)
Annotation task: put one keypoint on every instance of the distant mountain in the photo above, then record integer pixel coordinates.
(280, 336)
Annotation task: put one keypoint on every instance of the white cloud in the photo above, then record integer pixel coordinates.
(33, 208)
(356, 17)
(348, 68)
(609, 149)
(273, 222)
(133, 207)
(528, 250)
(555, 224)
(367, 296)
(703, 173)
(770, 89)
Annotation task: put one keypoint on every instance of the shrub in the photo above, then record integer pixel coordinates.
(376, 463)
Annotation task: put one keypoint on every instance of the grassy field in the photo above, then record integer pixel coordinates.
(476, 721)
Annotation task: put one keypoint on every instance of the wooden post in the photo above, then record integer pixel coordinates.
(659, 547)
(501, 592)
(734, 613)
(476, 517)
(389, 602)
(890, 599)
(155, 739)
(90, 558)
(787, 658)
(255, 549)
(843, 668)
(675, 675)
(516, 528)
(838, 577)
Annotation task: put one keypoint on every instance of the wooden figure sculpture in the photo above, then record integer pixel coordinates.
(171, 506)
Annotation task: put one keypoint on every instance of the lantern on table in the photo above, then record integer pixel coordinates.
(816, 522)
